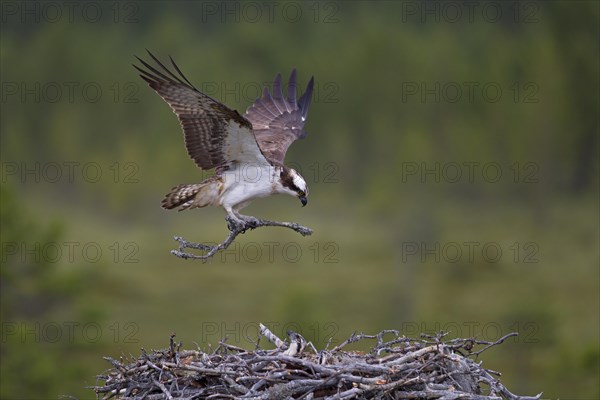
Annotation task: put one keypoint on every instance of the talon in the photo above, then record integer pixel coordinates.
(235, 225)
(252, 222)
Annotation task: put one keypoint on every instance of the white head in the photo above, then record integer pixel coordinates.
(293, 184)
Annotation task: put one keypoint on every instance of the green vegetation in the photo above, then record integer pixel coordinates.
(407, 137)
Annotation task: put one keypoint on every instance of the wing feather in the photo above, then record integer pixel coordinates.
(291, 91)
(215, 135)
(279, 101)
(277, 122)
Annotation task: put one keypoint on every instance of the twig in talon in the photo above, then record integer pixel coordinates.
(234, 231)
(218, 137)
(191, 245)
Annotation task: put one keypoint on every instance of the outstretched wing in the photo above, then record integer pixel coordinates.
(277, 122)
(215, 135)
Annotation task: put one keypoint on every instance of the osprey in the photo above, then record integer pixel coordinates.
(247, 152)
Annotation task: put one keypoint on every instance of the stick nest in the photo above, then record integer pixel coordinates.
(396, 367)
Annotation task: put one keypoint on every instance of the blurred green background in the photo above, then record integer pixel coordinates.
(452, 160)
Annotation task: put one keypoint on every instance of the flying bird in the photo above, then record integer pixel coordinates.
(246, 152)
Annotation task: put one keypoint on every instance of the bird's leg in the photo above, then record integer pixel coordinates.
(246, 221)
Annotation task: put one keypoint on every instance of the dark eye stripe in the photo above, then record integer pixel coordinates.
(287, 180)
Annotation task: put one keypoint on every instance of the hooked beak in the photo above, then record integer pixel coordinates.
(303, 200)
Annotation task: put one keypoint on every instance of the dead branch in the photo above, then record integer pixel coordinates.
(234, 231)
(426, 368)
(271, 337)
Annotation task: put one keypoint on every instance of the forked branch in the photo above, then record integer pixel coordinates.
(234, 231)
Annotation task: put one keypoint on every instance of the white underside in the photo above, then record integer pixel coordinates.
(247, 182)
(250, 175)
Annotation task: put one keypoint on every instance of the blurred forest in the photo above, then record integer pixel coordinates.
(452, 160)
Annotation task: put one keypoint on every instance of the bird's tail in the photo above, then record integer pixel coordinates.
(190, 196)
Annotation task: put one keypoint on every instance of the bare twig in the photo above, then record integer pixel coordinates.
(162, 387)
(234, 231)
(491, 344)
(271, 337)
